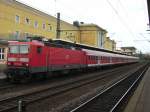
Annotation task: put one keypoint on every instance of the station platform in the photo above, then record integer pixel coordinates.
(2, 75)
(140, 101)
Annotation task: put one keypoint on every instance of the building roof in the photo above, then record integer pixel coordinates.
(92, 25)
(133, 48)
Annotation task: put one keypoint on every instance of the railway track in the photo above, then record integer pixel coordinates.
(5, 85)
(10, 103)
(113, 98)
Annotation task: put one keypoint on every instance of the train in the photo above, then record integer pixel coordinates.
(34, 57)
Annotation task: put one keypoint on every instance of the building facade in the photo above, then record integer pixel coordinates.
(109, 44)
(19, 21)
(92, 35)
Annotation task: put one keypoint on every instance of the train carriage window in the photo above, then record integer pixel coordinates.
(107, 58)
(39, 49)
(96, 57)
(89, 57)
(103, 58)
(92, 57)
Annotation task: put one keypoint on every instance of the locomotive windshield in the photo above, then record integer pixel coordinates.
(22, 49)
(14, 49)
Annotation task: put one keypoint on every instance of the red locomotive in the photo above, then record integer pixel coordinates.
(25, 59)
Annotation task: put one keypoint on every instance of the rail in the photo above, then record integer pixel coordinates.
(95, 104)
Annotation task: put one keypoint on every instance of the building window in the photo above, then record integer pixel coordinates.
(2, 53)
(26, 35)
(35, 24)
(17, 34)
(44, 26)
(101, 41)
(27, 20)
(49, 27)
(17, 19)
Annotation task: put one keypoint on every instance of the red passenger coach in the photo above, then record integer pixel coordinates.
(38, 57)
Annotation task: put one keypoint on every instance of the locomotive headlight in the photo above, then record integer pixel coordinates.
(27, 64)
(8, 63)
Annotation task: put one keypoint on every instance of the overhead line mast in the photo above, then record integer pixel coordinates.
(148, 5)
(58, 26)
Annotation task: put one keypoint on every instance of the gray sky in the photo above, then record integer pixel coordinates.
(125, 20)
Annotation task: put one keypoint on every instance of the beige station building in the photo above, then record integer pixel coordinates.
(18, 21)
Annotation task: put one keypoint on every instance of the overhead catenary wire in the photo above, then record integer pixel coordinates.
(129, 30)
(123, 8)
(121, 19)
(144, 37)
(125, 12)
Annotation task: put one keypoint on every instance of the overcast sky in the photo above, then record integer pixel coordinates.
(125, 20)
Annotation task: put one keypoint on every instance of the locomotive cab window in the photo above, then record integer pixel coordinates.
(14, 49)
(39, 49)
(24, 49)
